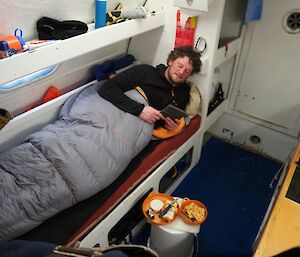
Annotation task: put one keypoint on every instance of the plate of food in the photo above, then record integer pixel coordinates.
(160, 208)
(193, 212)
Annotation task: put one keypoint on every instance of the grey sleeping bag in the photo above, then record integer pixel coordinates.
(83, 152)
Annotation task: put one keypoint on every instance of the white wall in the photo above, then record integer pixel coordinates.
(265, 100)
(269, 86)
(24, 14)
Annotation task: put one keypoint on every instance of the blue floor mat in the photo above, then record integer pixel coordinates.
(236, 186)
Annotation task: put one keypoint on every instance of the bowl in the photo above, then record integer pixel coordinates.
(193, 212)
(154, 218)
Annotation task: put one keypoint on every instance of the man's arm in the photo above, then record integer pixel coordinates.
(150, 114)
(113, 90)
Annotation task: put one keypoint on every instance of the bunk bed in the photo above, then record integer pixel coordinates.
(92, 219)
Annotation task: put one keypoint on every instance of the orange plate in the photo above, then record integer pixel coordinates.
(146, 206)
(185, 218)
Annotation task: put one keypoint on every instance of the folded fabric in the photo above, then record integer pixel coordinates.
(49, 28)
(138, 12)
(194, 105)
(105, 69)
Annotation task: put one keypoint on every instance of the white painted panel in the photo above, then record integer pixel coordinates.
(70, 74)
(24, 15)
(239, 131)
(269, 90)
(225, 53)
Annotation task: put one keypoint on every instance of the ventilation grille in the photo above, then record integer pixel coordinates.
(291, 21)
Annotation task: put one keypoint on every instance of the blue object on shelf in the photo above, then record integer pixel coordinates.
(18, 35)
(254, 10)
(105, 69)
(3, 45)
(100, 18)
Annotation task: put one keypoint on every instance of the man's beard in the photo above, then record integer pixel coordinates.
(172, 80)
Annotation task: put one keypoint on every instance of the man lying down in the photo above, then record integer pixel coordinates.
(90, 144)
(160, 85)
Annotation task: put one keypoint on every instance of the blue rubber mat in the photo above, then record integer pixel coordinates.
(236, 186)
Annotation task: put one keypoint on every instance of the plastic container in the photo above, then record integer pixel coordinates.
(196, 207)
(100, 16)
(171, 243)
(11, 44)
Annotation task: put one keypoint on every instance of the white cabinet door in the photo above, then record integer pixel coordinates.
(269, 89)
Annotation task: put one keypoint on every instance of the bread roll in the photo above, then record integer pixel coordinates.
(156, 205)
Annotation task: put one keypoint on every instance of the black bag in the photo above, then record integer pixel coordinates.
(53, 29)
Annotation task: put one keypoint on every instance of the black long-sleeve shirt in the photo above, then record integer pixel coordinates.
(159, 91)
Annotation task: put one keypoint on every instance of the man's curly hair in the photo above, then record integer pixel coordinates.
(188, 51)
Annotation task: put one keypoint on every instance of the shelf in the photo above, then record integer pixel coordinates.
(199, 5)
(227, 51)
(215, 114)
(28, 62)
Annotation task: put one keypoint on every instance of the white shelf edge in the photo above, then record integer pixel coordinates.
(197, 6)
(222, 55)
(215, 114)
(28, 62)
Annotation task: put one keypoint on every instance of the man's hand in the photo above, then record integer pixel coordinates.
(171, 124)
(150, 114)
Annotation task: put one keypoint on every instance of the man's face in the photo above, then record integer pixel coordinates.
(179, 70)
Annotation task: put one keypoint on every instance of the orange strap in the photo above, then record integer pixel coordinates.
(141, 91)
(162, 132)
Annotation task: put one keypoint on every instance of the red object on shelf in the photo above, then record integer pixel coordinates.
(51, 93)
(185, 36)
